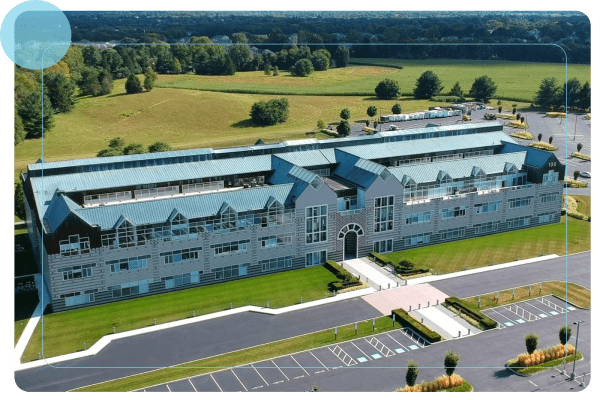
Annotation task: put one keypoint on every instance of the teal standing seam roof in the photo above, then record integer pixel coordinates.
(458, 169)
(535, 157)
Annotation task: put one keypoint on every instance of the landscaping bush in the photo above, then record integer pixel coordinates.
(406, 321)
(381, 259)
(412, 372)
(441, 383)
(541, 356)
(556, 114)
(450, 362)
(564, 334)
(346, 279)
(531, 342)
(543, 146)
(472, 312)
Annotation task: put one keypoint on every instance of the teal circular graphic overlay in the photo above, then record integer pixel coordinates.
(35, 34)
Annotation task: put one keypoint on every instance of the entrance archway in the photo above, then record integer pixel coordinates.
(349, 234)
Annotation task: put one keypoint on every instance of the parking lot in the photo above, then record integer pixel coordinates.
(528, 311)
(292, 367)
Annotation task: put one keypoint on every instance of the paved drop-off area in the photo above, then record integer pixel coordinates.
(369, 274)
(406, 297)
(441, 322)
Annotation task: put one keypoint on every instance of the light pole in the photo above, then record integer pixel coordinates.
(575, 355)
(575, 127)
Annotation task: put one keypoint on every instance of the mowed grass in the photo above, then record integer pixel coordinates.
(67, 331)
(245, 356)
(577, 295)
(584, 204)
(501, 248)
(186, 119)
(518, 80)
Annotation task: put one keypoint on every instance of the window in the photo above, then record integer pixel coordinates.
(417, 239)
(518, 222)
(74, 246)
(418, 218)
(384, 214)
(316, 224)
(549, 197)
(548, 217)
(177, 256)
(230, 271)
(76, 298)
(491, 206)
(275, 241)
(321, 171)
(276, 263)
(316, 258)
(453, 212)
(520, 202)
(383, 246)
(180, 280)
(128, 264)
(80, 271)
(487, 227)
(126, 234)
(448, 234)
(230, 248)
(131, 288)
(550, 178)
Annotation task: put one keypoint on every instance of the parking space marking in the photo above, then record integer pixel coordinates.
(299, 365)
(244, 386)
(379, 346)
(521, 321)
(168, 388)
(361, 351)
(554, 312)
(192, 385)
(375, 356)
(542, 315)
(397, 342)
(352, 360)
(213, 378)
(280, 370)
(261, 377)
(413, 347)
(526, 302)
(503, 316)
(318, 360)
(361, 359)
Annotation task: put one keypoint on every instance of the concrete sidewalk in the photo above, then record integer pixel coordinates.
(106, 340)
(369, 274)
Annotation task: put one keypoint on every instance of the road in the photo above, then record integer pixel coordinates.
(209, 338)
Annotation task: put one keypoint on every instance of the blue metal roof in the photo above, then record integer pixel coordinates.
(357, 170)
(309, 158)
(458, 169)
(535, 157)
(192, 206)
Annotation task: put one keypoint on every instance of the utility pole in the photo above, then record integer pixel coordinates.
(575, 355)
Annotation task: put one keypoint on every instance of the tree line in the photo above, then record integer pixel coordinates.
(572, 95)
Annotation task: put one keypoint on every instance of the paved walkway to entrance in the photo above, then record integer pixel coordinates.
(406, 297)
(368, 274)
(444, 322)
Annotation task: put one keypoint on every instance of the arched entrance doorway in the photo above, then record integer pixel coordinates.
(349, 234)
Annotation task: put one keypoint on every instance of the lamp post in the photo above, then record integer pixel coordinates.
(575, 355)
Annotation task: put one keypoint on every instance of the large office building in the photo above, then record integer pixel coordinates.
(107, 229)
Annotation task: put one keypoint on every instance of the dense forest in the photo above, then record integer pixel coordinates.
(482, 32)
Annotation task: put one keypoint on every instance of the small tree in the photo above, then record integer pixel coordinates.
(19, 200)
(564, 334)
(159, 147)
(412, 373)
(456, 90)
(268, 69)
(450, 362)
(531, 342)
(514, 110)
(367, 122)
(539, 137)
(576, 175)
(500, 110)
(387, 89)
(372, 111)
(427, 86)
(397, 109)
(550, 140)
(406, 264)
(149, 78)
(276, 71)
(321, 124)
(499, 103)
(343, 129)
(483, 88)
(522, 119)
(518, 116)
(133, 85)
(374, 124)
(579, 147)
(116, 143)
(135, 148)
(345, 114)
(302, 67)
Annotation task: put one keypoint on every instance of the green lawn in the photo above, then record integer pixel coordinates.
(578, 295)
(584, 204)
(501, 248)
(242, 357)
(66, 332)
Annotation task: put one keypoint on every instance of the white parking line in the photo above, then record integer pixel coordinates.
(192, 385)
(545, 312)
(213, 378)
(300, 365)
(244, 386)
(361, 351)
(280, 370)
(401, 345)
(261, 377)
(504, 316)
(533, 383)
(168, 387)
(318, 360)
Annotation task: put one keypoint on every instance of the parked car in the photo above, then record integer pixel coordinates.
(393, 128)
(584, 174)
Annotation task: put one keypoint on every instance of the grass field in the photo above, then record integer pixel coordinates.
(517, 80)
(241, 357)
(584, 204)
(502, 247)
(280, 290)
(186, 119)
(577, 295)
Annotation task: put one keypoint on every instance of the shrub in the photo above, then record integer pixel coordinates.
(450, 362)
(531, 342)
(412, 372)
(472, 312)
(345, 113)
(564, 334)
(133, 85)
(302, 67)
(387, 89)
(343, 128)
(407, 321)
(271, 112)
(406, 264)
(397, 109)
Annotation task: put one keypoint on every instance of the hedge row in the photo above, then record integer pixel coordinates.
(406, 321)
(383, 260)
(346, 279)
(472, 312)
